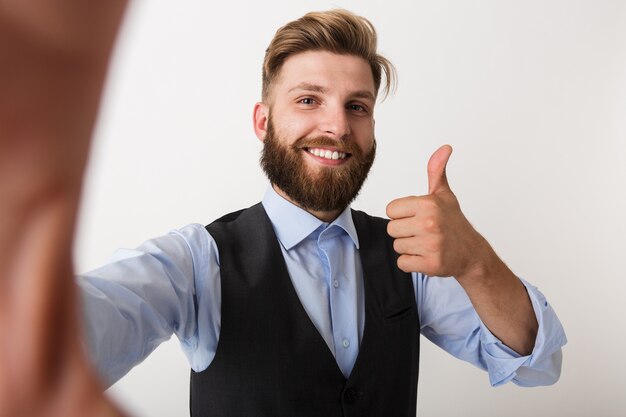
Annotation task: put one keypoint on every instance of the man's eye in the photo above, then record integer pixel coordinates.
(307, 100)
(356, 107)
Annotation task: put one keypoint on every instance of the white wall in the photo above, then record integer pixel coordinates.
(531, 94)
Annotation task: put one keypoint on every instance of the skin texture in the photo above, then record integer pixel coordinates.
(53, 59)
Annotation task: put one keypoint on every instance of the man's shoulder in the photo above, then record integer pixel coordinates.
(363, 216)
(233, 216)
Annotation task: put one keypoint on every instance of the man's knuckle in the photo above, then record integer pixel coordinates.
(431, 224)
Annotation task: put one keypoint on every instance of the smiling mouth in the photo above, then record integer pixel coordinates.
(327, 153)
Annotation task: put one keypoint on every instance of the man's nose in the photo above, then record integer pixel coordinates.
(335, 122)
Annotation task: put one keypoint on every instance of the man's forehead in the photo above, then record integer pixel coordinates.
(325, 72)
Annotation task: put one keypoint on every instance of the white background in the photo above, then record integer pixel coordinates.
(532, 95)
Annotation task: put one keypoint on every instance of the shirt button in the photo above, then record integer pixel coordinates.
(345, 343)
(336, 284)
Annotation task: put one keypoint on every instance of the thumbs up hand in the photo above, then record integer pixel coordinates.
(431, 233)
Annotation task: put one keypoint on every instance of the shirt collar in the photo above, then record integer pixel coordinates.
(293, 224)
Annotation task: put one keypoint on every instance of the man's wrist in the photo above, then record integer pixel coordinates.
(486, 268)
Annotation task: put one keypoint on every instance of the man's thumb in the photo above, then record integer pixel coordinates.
(437, 179)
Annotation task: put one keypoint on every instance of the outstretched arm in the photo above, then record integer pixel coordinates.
(53, 60)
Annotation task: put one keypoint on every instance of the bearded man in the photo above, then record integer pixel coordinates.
(301, 306)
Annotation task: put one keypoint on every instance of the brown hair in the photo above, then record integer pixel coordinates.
(338, 31)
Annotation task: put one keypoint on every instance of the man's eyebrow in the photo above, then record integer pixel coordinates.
(315, 88)
(364, 94)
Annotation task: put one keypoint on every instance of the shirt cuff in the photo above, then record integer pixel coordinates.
(543, 365)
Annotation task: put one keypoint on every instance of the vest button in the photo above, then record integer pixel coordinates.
(351, 395)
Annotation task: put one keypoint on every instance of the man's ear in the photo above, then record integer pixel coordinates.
(260, 118)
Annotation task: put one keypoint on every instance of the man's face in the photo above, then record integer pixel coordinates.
(319, 142)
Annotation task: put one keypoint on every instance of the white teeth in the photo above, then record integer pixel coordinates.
(327, 154)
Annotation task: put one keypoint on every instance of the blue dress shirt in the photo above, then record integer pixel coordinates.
(171, 285)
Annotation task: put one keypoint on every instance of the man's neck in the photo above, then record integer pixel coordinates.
(325, 216)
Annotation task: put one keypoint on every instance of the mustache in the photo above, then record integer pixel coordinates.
(324, 141)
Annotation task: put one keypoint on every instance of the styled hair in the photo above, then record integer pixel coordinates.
(338, 31)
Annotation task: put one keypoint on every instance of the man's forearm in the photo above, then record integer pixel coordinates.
(501, 301)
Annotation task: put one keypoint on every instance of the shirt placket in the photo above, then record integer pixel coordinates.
(344, 327)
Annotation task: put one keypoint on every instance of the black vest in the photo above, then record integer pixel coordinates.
(271, 360)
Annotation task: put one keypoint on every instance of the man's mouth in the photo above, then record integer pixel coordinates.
(327, 153)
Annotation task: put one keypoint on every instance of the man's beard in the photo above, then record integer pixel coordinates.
(328, 189)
